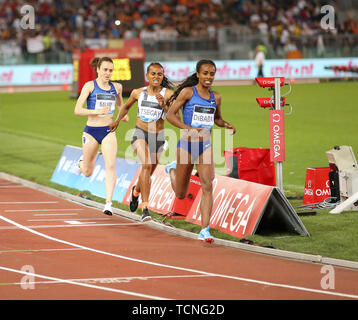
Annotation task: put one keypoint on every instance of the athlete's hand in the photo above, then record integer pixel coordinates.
(113, 126)
(230, 127)
(125, 118)
(160, 99)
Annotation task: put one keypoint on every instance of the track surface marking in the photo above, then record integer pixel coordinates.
(91, 256)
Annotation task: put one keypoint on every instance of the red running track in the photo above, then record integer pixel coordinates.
(52, 248)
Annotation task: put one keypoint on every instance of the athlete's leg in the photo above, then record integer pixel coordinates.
(206, 171)
(143, 177)
(109, 151)
(144, 181)
(147, 168)
(180, 177)
(89, 151)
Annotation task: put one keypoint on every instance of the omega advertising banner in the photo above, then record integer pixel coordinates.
(237, 206)
(242, 208)
(317, 186)
(277, 136)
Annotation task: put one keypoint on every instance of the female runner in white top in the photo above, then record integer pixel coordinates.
(148, 138)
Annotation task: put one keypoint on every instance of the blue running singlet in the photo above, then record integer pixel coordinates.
(199, 112)
(100, 98)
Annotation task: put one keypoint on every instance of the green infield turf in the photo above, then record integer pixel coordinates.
(35, 127)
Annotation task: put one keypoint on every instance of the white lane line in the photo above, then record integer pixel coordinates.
(29, 210)
(55, 214)
(266, 283)
(75, 219)
(75, 222)
(73, 225)
(131, 293)
(28, 202)
(39, 250)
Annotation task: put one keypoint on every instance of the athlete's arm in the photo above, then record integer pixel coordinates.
(119, 100)
(124, 108)
(85, 92)
(162, 100)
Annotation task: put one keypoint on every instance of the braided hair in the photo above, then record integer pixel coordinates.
(192, 80)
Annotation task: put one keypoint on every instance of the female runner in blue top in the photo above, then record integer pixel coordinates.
(101, 97)
(201, 109)
(148, 138)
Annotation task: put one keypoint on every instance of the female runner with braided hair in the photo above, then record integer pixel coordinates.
(201, 109)
(148, 138)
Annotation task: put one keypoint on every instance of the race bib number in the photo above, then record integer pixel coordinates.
(150, 111)
(203, 117)
(105, 100)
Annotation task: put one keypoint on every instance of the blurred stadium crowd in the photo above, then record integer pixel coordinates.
(63, 25)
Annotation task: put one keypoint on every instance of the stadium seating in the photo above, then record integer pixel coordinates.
(62, 25)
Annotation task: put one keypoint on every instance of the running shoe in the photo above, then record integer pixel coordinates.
(76, 167)
(133, 204)
(172, 165)
(146, 215)
(108, 209)
(205, 235)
